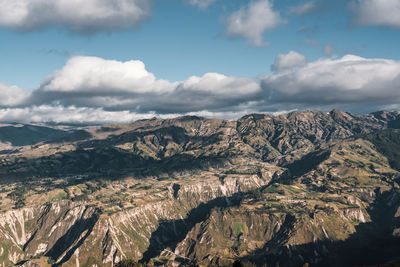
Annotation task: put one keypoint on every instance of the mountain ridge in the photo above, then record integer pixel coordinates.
(299, 188)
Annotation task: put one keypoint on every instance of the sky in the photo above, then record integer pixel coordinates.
(117, 61)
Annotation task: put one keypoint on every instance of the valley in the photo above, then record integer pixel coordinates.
(317, 188)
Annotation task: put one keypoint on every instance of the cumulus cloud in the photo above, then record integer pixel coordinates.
(253, 21)
(97, 75)
(202, 4)
(288, 61)
(350, 79)
(377, 13)
(114, 85)
(79, 16)
(11, 95)
(302, 9)
(95, 90)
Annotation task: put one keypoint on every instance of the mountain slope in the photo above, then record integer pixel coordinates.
(23, 135)
(304, 187)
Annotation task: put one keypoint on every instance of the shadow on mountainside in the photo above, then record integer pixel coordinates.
(387, 142)
(101, 158)
(73, 238)
(308, 162)
(371, 244)
(159, 137)
(170, 233)
(29, 134)
(109, 163)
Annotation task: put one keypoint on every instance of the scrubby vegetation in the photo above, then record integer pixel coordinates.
(388, 143)
(290, 189)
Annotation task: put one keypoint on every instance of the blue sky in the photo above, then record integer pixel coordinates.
(180, 40)
(177, 39)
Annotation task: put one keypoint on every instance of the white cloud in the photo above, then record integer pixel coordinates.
(96, 82)
(252, 21)
(350, 79)
(302, 9)
(96, 75)
(218, 84)
(76, 15)
(288, 61)
(11, 95)
(202, 4)
(77, 115)
(84, 115)
(95, 90)
(377, 13)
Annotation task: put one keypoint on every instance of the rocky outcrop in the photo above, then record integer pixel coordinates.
(66, 232)
(303, 187)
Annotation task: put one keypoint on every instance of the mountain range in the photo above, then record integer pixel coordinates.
(304, 188)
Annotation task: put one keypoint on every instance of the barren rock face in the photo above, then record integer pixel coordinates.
(304, 187)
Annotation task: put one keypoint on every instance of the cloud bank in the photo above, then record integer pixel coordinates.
(347, 80)
(78, 16)
(98, 83)
(97, 90)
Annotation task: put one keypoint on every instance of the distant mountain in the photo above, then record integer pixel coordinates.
(300, 189)
(23, 135)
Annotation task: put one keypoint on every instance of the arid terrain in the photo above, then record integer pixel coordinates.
(317, 188)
